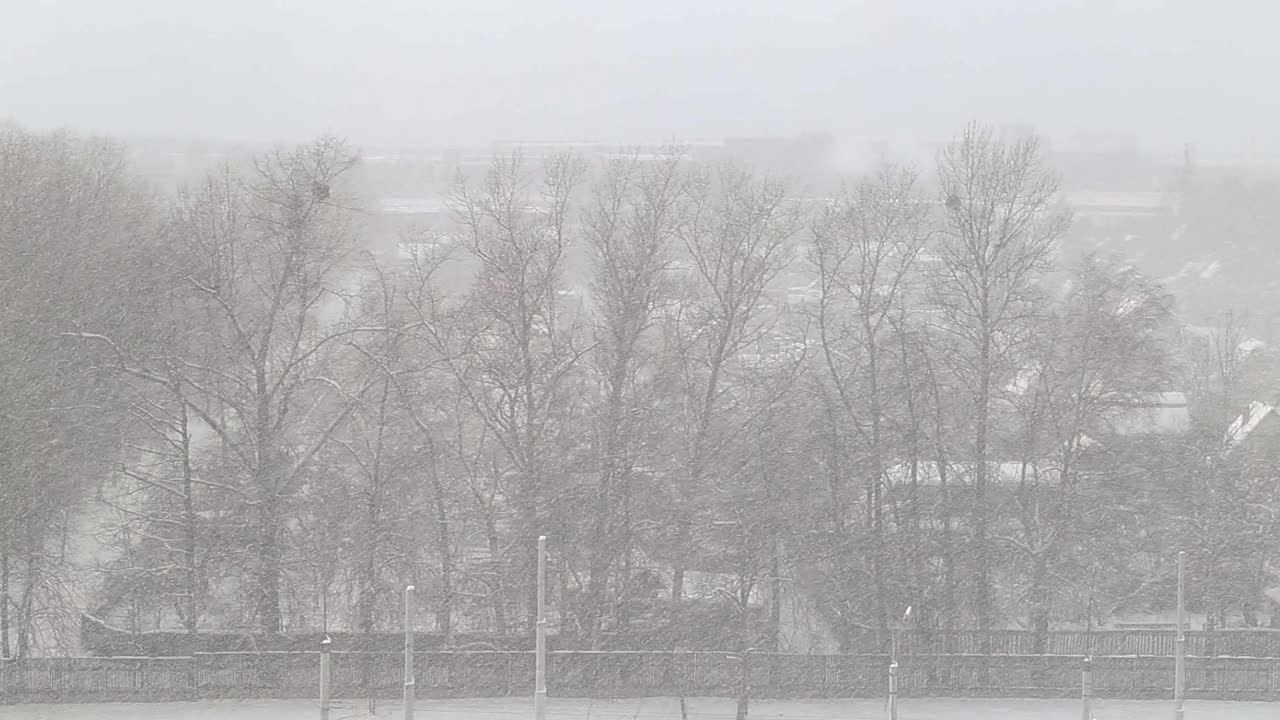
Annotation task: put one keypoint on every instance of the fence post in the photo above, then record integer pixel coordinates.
(540, 637)
(408, 653)
(893, 690)
(193, 677)
(1210, 636)
(326, 689)
(1086, 689)
(1180, 648)
(744, 684)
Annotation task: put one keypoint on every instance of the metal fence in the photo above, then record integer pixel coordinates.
(104, 641)
(623, 674)
(1255, 643)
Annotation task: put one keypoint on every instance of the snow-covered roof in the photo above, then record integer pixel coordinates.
(1000, 473)
(1117, 203)
(1084, 198)
(1250, 346)
(412, 205)
(1245, 424)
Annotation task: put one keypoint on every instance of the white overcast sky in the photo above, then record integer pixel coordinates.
(461, 71)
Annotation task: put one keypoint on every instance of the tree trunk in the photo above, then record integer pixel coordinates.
(773, 499)
(495, 568)
(4, 601)
(948, 608)
(445, 617)
(368, 590)
(918, 580)
(981, 552)
(603, 548)
(193, 573)
(744, 692)
(697, 466)
(190, 519)
(684, 531)
(624, 616)
(267, 591)
(1040, 602)
(24, 628)
(530, 554)
(875, 479)
(775, 609)
(836, 462)
(439, 502)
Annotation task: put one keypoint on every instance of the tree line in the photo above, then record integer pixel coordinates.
(708, 390)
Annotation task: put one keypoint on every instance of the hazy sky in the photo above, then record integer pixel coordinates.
(450, 71)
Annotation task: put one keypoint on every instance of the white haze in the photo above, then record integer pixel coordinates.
(443, 72)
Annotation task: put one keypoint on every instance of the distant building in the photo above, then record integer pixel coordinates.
(1119, 204)
(1161, 413)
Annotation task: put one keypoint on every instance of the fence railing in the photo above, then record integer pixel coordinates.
(1147, 643)
(622, 674)
(104, 641)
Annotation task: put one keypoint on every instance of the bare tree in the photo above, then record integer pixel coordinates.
(77, 234)
(158, 503)
(373, 450)
(1100, 351)
(999, 231)
(412, 370)
(864, 246)
(630, 227)
(265, 256)
(507, 346)
(734, 232)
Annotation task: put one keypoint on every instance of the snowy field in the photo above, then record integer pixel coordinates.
(651, 709)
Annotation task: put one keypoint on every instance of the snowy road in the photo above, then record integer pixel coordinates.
(650, 709)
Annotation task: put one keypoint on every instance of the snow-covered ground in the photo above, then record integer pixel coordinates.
(650, 709)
